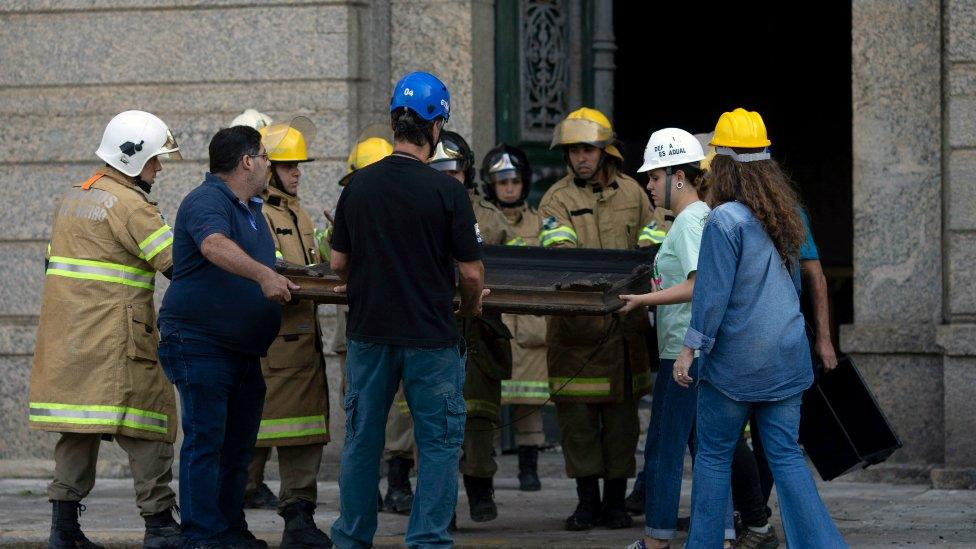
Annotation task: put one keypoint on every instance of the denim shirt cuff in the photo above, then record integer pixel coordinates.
(697, 340)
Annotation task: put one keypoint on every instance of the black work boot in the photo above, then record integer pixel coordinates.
(528, 469)
(162, 531)
(614, 515)
(635, 501)
(481, 498)
(399, 495)
(588, 509)
(65, 530)
(300, 530)
(260, 498)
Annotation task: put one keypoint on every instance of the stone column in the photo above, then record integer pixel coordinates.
(455, 40)
(603, 47)
(958, 336)
(898, 243)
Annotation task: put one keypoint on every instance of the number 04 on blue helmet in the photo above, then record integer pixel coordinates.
(424, 94)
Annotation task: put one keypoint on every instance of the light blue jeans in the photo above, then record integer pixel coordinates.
(432, 380)
(721, 419)
(671, 429)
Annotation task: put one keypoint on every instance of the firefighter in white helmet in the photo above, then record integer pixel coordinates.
(95, 373)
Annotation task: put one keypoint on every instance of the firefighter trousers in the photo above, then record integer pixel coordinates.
(151, 461)
(482, 397)
(599, 439)
(527, 424)
(298, 468)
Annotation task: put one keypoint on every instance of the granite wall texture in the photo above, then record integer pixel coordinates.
(914, 228)
(197, 64)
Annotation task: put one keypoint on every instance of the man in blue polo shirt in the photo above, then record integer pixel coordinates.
(219, 316)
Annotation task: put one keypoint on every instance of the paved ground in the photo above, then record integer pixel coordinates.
(869, 515)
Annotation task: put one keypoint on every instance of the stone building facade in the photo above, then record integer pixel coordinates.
(70, 65)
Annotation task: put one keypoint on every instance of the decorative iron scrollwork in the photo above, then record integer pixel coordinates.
(544, 74)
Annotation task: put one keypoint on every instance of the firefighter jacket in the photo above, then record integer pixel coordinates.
(576, 214)
(296, 408)
(530, 377)
(488, 339)
(95, 367)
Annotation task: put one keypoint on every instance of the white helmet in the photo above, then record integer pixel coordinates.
(134, 137)
(252, 118)
(671, 147)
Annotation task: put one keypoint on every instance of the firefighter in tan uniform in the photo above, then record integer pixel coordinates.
(488, 342)
(95, 373)
(596, 206)
(295, 419)
(506, 179)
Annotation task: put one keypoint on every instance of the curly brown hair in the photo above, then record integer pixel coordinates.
(763, 188)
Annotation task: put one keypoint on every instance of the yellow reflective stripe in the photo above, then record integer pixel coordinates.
(512, 388)
(486, 407)
(279, 255)
(100, 270)
(653, 235)
(580, 386)
(156, 242)
(403, 406)
(641, 381)
(292, 427)
(562, 233)
(80, 414)
(517, 241)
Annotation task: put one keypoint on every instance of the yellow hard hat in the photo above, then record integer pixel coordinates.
(364, 153)
(586, 125)
(741, 129)
(286, 142)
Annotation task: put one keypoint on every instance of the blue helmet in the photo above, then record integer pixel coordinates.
(424, 94)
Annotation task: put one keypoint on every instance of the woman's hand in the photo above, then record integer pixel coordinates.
(681, 367)
(631, 302)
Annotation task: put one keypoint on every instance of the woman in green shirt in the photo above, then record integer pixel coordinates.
(672, 159)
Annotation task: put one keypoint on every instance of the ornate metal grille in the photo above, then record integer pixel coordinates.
(544, 74)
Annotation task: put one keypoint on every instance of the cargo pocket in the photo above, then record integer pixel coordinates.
(143, 341)
(455, 415)
(349, 405)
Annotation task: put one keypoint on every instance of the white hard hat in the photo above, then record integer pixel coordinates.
(252, 118)
(134, 137)
(671, 147)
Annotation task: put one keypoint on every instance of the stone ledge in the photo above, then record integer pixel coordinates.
(889, 338)
(957, 339)
(953, 479)
(894, 473)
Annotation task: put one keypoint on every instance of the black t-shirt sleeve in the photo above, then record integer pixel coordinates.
(465, 236)
(340, 230)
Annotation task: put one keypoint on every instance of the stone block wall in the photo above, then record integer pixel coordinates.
(71, 65)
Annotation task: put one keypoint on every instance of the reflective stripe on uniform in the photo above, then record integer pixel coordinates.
(517, 241)
(641, 381)
(279, 255)
(100, 270)
(652, 235)
(485, 407)
(82, 414)
(562, 233)
(292, 427)
(580, 386)
(156, 242)
(403, 406)
(512, 388)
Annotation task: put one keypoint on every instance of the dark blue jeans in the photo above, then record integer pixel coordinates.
(221, 396)
(672, 428)
(432, 380)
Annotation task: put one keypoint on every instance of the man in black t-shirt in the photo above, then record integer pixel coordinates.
(400, 226)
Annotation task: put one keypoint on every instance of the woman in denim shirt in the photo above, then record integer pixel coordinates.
(672, 161)
(747, 326)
